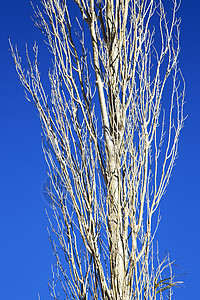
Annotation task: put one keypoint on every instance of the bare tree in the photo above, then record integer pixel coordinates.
(109, 142)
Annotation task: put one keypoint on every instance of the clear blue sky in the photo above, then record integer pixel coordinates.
(25, 251)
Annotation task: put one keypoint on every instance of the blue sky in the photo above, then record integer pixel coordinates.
(25, 251)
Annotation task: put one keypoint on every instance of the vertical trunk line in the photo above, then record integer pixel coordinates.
(117, 250)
